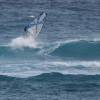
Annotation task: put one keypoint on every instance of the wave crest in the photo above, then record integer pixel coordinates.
(78, 49)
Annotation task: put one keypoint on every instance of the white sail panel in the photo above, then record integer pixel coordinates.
(41, 18)
(35, 27)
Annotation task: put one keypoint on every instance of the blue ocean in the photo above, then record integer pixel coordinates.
(62, 63)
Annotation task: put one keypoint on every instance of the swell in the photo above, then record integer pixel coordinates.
(79, 50)
(54, 76)
(69, 83)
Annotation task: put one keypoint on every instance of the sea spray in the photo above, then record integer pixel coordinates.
(23, 41)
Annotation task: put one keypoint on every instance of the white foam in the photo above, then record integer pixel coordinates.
(37, 68)
(48, 49)
(79, 39)
(23, 41)
(75, 67)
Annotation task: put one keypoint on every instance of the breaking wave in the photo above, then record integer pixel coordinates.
(74, 49)
(33, 68)
(80, 57)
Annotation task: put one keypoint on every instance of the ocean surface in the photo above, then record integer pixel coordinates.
(63, 63)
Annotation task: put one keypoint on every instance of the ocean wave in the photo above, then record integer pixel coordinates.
(7, 51)
(73, 48)
(53, 76)
(80, 49)
(80, 57)
(45, 85)
(34, 68)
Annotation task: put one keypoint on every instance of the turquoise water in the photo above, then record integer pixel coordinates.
(69, 45)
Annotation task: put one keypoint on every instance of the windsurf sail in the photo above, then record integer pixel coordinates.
(35, 27)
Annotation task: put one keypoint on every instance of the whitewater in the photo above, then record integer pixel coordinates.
(50, 56)
(61, 62)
